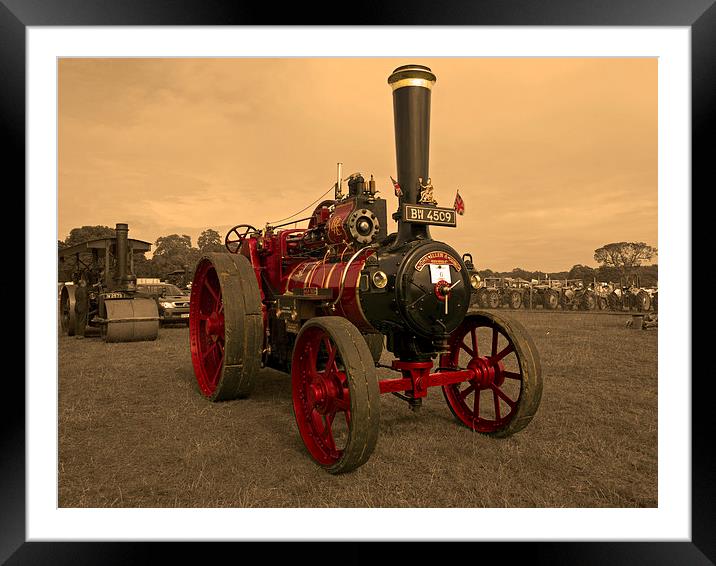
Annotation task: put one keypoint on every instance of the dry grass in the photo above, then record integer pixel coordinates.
(135, 432)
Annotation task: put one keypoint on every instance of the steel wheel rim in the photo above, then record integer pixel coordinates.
(206, 328)
(466, 398)
(320, 392)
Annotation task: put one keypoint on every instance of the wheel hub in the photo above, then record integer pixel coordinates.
(215, 326)
(487, 371)
(323, 395)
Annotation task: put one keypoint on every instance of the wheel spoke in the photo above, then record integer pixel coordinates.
(476, 405)
(211, 290)
(311, 357)
(344, 403)
(211, 348)
(497, 404)
(509, 348)
(315, 419)
(331, 362)
(502, 395)
(215, 377)
(341, 377)
(314, 375)
(512, 375)
(328, 432)
(469, 351)
(494, 341)
(465, 392)
(474, 342)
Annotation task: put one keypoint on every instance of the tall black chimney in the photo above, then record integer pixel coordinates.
(411, 109)
(121, 231)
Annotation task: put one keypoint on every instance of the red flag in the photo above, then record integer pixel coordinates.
(459, 205)
(396, 187)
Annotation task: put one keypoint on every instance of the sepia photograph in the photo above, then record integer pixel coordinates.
(357, 282)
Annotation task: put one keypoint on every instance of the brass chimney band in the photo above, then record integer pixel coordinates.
(412, 75)
(412, 82)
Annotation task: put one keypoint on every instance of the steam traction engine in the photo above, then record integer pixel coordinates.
(321, 302)
(112, 302)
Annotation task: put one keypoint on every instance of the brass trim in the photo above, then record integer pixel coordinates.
(288, 281)
(412, 82)
(345, 272)
(309, 278)
(327, 280)
(343, 253)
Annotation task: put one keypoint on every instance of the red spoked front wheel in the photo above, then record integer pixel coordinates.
(225, 326)
(336, 398)
(506, 391)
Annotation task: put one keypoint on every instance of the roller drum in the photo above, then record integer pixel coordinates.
(130, 320)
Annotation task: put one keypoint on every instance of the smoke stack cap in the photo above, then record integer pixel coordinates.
(412, 75)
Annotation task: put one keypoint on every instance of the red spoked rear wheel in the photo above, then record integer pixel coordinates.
(225, 326)
(506, 391)
(336, 399)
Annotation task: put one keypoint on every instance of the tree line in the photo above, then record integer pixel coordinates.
(172, 253)
(617, 261)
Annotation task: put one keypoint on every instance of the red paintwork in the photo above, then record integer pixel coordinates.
(271, 256)
(321, 274)
(417, 378)
(489, 375)
(319, 396)
(438, 289)
(335, 231)
(206, 328)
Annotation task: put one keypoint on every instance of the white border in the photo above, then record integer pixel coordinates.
(670, 521)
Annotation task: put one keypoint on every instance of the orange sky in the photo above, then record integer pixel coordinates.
(553, 157)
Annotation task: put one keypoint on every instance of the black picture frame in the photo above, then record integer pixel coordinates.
(17, 15)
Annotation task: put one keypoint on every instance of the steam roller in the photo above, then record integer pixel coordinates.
(103, 293)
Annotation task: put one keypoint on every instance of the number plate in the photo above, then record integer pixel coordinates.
(185, 315)
(114, 295)
(439, 273)
(429, 215)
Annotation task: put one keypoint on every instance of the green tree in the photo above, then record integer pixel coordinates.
(519, 273)
(144, 267)
(583, 272)
(210, 241)
(626, 257)
(171, 252)
(87, 233)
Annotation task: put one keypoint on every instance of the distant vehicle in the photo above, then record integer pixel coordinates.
(110, 300)
(173, 303)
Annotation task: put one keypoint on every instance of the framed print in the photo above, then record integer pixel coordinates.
(196, 126)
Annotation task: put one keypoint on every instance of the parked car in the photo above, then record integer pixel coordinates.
(173, 303)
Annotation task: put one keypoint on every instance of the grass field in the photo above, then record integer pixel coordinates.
(135, 432)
